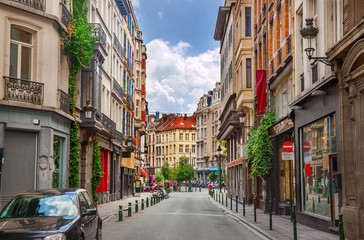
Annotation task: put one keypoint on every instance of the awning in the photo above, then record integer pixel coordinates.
(214, 169)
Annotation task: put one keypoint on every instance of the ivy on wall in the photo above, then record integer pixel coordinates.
(96, 170)
(259, 147)
(78, 43)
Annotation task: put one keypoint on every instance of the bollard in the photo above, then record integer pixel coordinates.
(147, 205)
(200, 189)
(313, 204)
(136, 206)
(319, 199)
(244, 206)
(270, 215)
(129, 210)
(255, 210)
(219, 197)
(236, 199)
(120, 213)
(231, 202)
(226, 200)
(142, 204)
(294, 222)
(341, 227)
(222, 199)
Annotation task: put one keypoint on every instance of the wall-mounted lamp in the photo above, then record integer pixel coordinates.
(88, 110)
(309, 32)
(318, 93)
(242, 115)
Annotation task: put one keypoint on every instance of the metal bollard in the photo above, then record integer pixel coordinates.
(255, 210)
(244, 206)
(294, 222)
(341, 227)
(231, 202)
(142, 204)
(226, 199)
(236, 201)
(120, 213)
(136, 206)
(270, 215)
(219, 197)
(200, 189)
(147, 205)
(313, 204)
(129, 210)
(222, 198)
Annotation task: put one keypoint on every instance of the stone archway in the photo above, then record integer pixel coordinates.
(351, 105)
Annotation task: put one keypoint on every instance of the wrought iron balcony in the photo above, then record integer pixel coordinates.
(129, 100)
(64, 101)
(99, 33)
(66, 15)
(107, 123)
(36, 4)
(24, 90)
(118, 46)
(118, 135)
(118, 89)
(123, 7)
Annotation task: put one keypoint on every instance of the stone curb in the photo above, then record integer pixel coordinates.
(251, 225)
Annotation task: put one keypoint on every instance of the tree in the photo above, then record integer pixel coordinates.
(159, 177)
(183, 172)
(166, 171)
(212, 176)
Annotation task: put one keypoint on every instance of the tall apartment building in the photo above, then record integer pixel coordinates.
(316, 121)
(346, 53)
(273, 62)
(233, 30)
(34, 105)
(207, 128)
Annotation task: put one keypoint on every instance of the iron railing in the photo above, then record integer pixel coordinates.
(118, 46)
(107, 123)
(118, 135)
(118, 89)
(64, 101)
(99, 33)
(66, 15)
(129, 100)
(36, 4)
(24, 90)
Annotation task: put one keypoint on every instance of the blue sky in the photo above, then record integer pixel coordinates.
(183, 57)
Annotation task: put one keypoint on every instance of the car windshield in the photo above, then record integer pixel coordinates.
(42, 205)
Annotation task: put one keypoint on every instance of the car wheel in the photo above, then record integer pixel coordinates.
(99, 234)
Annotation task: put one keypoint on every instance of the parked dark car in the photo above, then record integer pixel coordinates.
(52, 214)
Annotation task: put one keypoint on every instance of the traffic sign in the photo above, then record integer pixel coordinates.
(287, 146)
(287, 155)
(306, 146)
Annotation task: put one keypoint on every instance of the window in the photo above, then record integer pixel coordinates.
(187, 148)
(187, 137)
(21, 46)
(193, 136)
(314, 73)
(137, 109)
(174, 148)
(248, 73)
(248, 22)
(193, 148)
(181, 136)
(180, 148)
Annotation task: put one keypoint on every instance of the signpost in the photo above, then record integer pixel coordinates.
(288, 155)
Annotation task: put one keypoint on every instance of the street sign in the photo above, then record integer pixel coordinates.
(306, 146)
(287, 146)
(287, 155)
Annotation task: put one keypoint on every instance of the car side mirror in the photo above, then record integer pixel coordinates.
(89, 212)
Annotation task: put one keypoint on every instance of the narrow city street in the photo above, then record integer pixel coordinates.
(183, 216)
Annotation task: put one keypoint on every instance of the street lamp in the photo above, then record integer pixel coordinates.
(219, 150)
(310, 32)
(88, 110)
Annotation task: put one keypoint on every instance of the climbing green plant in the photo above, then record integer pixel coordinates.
(259, 147)
(78, 43)
(96, 170)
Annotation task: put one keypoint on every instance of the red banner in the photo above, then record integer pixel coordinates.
(261, 91)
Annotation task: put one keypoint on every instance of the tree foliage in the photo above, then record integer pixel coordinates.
(166, 171)
(96, 170)
(212, 176)
(183, 172)
(159, 177)
(259, 147)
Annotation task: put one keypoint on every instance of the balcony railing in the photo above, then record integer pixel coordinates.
(64, 101)
(99, 33)
(107, 123)
(24, 90)
(37, 4)
(118, 135)
(118, 89)
(129, 100)
(118, 46)
(66, 15)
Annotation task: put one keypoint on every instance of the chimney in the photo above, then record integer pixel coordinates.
(156, 115)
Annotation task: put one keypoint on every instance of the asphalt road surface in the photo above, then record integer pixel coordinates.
(183, 216)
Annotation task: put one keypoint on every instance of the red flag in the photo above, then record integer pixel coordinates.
(261, 91)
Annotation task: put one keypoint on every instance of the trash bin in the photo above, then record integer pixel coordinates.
(138, 188)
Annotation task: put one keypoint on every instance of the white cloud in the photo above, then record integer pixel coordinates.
(160, 14)
(175, 81)
(136, 3)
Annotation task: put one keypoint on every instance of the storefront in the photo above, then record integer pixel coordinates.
(318, 199)
(104, 185)
(127, 174)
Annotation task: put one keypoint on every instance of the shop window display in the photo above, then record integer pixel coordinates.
(318, 146)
